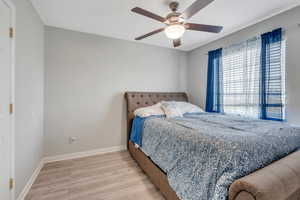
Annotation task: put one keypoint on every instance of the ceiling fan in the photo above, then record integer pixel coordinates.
(176, 22)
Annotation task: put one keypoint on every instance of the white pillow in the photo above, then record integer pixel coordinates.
(186, 107)
(171, 109)
(178, 108)
(148, 111)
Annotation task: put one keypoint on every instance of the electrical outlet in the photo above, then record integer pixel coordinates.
(72, 140)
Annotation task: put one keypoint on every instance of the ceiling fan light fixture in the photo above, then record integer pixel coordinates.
(174, 31)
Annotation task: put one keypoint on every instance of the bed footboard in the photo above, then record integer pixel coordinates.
(278, 181)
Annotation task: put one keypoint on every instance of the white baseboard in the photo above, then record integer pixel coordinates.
(27, 187)
(69, 156)
(50, 159)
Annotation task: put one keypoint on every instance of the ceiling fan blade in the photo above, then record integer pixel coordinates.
(194, 8)
(177, 42)
(149, 34)
(146, 13)
(203, 27)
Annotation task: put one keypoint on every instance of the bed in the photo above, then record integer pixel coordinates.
(279, 180)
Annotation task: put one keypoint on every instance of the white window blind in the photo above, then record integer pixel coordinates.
(241, 78)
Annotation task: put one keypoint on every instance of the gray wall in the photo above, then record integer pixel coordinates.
(86, 77)
(197, 60)
(29, 92)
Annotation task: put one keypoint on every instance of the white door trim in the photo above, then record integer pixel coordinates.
(13, 58)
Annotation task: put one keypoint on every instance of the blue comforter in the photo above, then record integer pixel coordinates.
(203, 154)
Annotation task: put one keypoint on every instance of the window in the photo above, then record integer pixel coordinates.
(249, 78)
(273, 77)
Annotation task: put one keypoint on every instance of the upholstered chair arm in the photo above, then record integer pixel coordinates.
(278, 181)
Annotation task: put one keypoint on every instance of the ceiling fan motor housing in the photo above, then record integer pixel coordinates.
(174, 18)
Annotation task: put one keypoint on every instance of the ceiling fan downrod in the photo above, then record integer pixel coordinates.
(174, 6)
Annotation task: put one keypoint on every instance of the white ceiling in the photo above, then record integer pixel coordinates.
(113, 18)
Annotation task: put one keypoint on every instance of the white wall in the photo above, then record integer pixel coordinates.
(197, 60)
(86, 77)
(29, 92)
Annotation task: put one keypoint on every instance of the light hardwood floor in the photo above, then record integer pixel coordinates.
(112, 176)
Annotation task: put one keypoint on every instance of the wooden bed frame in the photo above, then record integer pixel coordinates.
(278, 181)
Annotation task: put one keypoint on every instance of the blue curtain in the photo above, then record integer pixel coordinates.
(214, 82)
(271, 79)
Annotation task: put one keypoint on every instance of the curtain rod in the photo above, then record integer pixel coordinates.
(206, 54)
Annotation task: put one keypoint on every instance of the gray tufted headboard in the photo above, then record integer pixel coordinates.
(142, 99)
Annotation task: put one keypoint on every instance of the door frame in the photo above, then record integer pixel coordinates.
(12, 7)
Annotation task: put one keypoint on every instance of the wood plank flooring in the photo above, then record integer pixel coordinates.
(112, 176)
